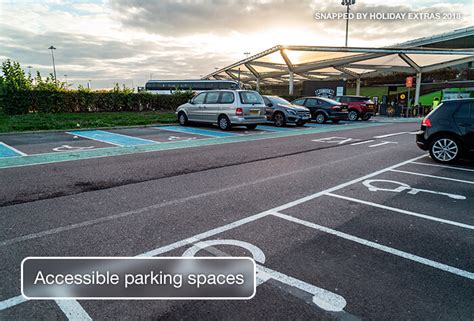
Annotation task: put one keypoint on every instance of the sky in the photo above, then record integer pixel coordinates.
(131, 41)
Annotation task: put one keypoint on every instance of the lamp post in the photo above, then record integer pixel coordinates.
(347, 3)
(54, 66)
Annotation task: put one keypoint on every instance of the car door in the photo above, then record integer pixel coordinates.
(225, 105)
(195, 106)
(269, 109)
(209, 109)
(313, 105)
(464, 118)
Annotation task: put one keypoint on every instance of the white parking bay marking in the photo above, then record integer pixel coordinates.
(433, 176)
(444, 166)
(382, 143)
(73, 310)
(390, 135)
(405, 187)
(333, 140)
(398, 210)
(364, 142)
(383, 248)
(69, 148)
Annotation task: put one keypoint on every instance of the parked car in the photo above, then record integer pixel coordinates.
(323, 109)
(359, 106)
(225, 108)
(448, 131)
(282, 112)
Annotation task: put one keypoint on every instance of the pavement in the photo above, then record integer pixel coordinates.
(357, 210)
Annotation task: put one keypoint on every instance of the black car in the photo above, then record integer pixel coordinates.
(448, 131)
(282, 112)
(323, 109)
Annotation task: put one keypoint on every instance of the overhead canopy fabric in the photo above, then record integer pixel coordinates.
(283, 64)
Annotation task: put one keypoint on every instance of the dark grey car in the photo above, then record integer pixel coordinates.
(282, 112)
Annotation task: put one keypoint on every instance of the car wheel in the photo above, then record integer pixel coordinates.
(320, 118)
(251, 126)
(445, 149)
(223, 123)
(279, 120)
(366, 117)
(353, 115)
(182, 119)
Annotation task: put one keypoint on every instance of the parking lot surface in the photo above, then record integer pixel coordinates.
(344, 221)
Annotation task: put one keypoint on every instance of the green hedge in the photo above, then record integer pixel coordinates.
(36, 101)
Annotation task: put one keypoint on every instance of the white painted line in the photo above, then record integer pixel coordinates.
(99, 140)
(444, 166)
(360, 143)
(199, 237)
(390, 135)
(73, 310)
(383, 248)
(433, 176)
(398, 210)
(12, 302)
(383, 143)
(13, 149)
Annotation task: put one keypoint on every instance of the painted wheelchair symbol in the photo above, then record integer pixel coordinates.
(65, 148)
(324, 299)
(180, 138)
(405, 187)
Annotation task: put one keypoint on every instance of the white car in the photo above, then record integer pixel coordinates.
(225, 108)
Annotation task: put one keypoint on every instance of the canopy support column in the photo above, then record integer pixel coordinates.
(291, 84)
(258, 84)
(358, 86)
(417, 89)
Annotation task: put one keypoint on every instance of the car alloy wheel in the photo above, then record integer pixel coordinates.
(320, 119)
(353, 115)
(279, 120)
(182, 119)
(445, 150)
(224, 123)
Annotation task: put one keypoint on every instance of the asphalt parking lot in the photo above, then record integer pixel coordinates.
(345, 221)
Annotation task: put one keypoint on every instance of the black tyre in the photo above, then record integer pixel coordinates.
(182, 119)
(223, 123)
(251, 126)
(279, 119)
(353, 115)
(320, 118)
(366, 117)
(445, 149)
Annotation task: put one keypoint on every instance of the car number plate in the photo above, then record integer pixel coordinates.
(254, 111)
(344, 109)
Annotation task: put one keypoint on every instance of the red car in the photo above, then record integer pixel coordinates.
(359, 106)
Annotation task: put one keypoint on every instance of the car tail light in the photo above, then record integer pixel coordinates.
(239, 112)
(336, 108)
(426, 122)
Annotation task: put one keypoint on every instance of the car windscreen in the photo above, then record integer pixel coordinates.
(250, 97)
(278, 101)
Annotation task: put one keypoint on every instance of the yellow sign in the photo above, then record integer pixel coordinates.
(402, 96)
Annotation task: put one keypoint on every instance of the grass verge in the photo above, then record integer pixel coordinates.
(32, 122)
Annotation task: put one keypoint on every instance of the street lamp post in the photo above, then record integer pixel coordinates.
(54, 66)
(347, 3)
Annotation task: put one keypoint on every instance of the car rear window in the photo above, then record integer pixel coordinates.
(250, 97)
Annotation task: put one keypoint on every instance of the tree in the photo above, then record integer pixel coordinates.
(13, 77)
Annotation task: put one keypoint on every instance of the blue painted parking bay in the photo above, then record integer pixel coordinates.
(8, 151)
(112, 138)
(197, 131)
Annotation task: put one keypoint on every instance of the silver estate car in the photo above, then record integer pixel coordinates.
(224, 108)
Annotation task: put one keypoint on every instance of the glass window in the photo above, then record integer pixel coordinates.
(299, 102)
(463, 111)
(227, 98)
(250, 97)
(311, 102)
(212, 98)
(199, 99)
